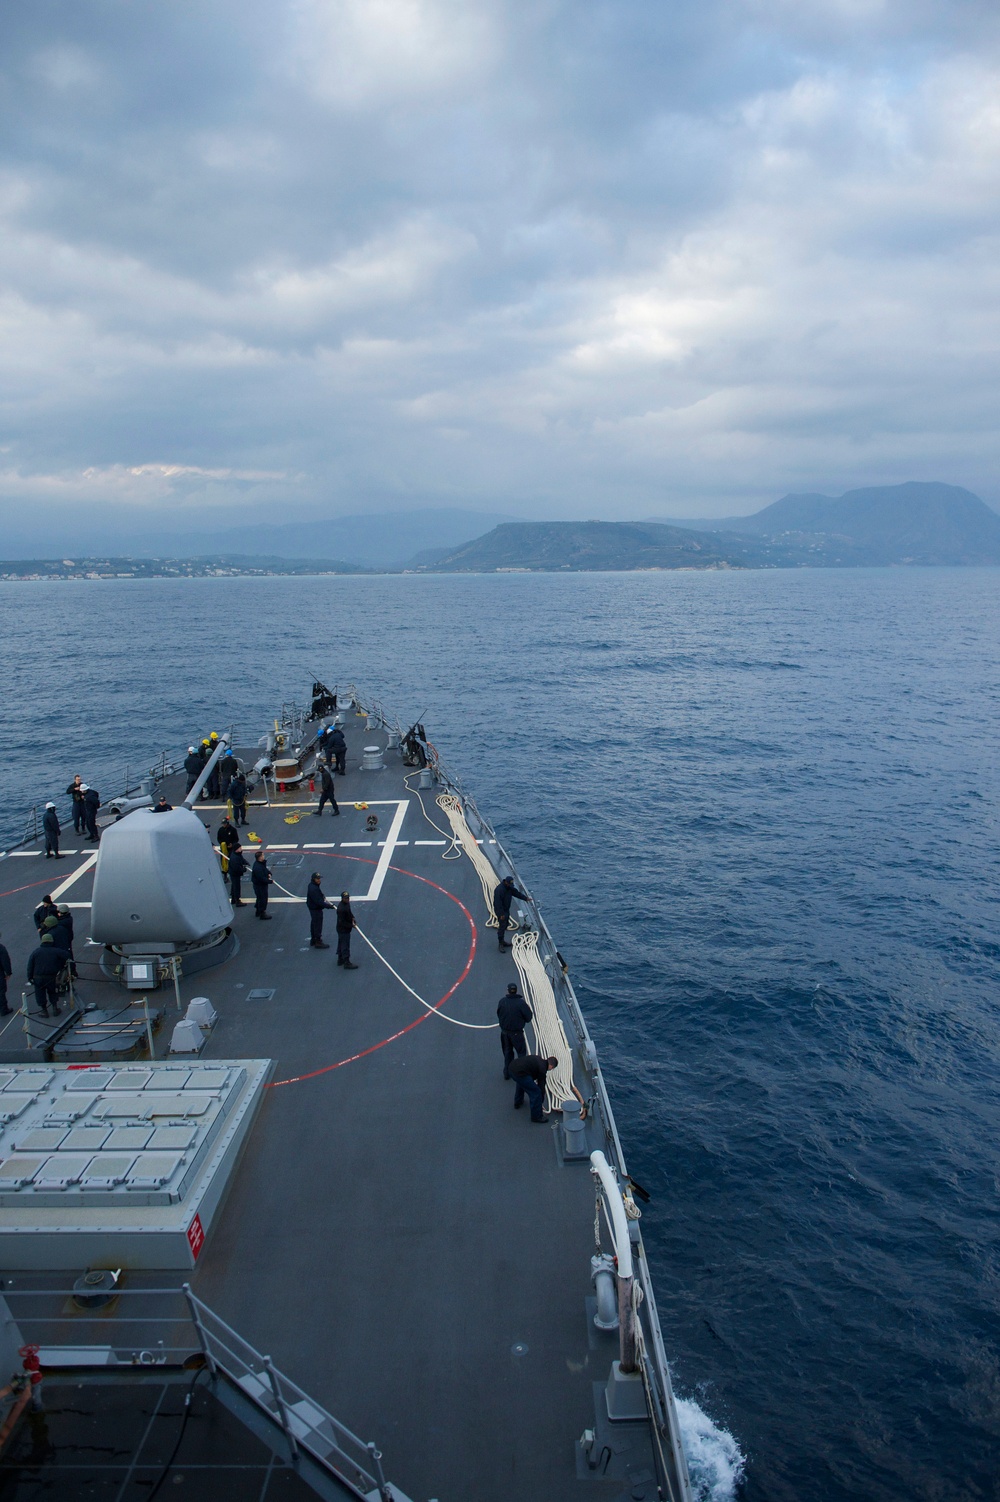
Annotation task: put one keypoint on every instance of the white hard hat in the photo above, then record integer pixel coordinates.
(50, 805)
(190, 749)
(84, 788)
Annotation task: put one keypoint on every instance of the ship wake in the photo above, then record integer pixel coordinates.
(715, 1461)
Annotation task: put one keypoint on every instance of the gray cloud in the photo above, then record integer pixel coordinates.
(601, 259)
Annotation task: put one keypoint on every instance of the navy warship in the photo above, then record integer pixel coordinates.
(269, 1225)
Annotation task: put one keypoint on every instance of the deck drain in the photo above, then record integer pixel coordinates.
(519, 1348)
(260, 995)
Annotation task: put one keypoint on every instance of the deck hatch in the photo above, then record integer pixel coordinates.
(106, 1170)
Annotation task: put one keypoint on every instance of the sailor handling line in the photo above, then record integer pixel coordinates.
(550, 1035)
(488, 878)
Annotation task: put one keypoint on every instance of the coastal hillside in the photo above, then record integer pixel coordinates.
(609, 545)
(927, 524)
(919, 522)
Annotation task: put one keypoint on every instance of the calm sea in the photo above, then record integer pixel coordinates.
(760, 813)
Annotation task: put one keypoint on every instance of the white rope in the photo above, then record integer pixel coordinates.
(478, 1027)
(475, 1026)
(454, 850)
(488, 878)
(550, 1036)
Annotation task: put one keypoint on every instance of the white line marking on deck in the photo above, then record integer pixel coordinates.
(23, 853)
(399, 843)
(270, 846)
(355, 844)
(319, 845)
(430, 842)
(384, 860)
(65, 886)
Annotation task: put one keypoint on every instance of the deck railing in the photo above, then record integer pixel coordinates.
(124, 782)
(141, 1328)
(674, 1479)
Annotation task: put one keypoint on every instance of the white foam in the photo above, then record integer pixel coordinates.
(715, 1460)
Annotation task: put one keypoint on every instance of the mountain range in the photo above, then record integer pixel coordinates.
(914, 523)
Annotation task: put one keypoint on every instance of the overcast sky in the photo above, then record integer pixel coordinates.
(556, 259)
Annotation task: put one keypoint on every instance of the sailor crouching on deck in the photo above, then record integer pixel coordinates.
(512, 1014)
(503, 896)
(316, 903)
(528, 1075)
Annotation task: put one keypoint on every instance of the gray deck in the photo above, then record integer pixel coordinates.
(395, 1229)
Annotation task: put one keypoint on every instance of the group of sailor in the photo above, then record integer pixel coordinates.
(47, 962)
(221, 776)
(527, 1070)
(85, 803)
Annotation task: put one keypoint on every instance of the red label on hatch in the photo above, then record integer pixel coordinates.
(196, 1237)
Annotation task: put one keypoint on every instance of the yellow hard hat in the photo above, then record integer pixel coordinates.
(213, 736)
(204, 740)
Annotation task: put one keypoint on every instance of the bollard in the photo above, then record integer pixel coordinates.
(574, 1131)
(372, 760)
(426, 778)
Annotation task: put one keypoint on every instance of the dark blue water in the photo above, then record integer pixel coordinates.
(760, 811)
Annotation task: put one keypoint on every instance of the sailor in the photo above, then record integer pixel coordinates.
(226, 837)
(75, 791)
(91, 803)
(65, 927)
(336, 746)
(51, 830)
(316, 903)
(45, 909)
(45, 965)
(228, 767)
(262, 879)
(162, 806)
(326, 793)
(6, 971)
(504, 895)
(62, 935)
(345, 922)
(192, 766)
(213, 776)
(237, 870)
(529, 1075)
(204, 751)
(238, 797)
(512, 1013)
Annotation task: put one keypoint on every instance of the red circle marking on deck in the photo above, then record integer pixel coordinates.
(374, 1047)
(45, 882)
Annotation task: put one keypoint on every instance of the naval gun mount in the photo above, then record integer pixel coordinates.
(159, 894)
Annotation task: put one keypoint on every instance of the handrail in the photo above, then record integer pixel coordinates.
(306, 1425)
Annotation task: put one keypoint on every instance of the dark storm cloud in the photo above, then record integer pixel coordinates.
(603, 259)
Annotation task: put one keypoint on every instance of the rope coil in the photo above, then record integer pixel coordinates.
(462, 835)
(549, 1033)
